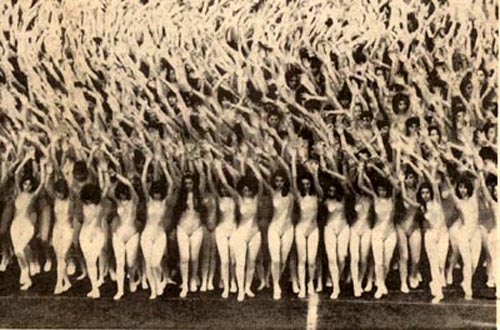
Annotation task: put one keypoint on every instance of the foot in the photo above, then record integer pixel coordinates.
(152, 296)
(118, 296)
(234, 287)
(210, 286)
(66, 286)
(132, 285)
(47, 267)
(302, 294)
(261, 286)
(71, 268)
(413, 282)
(437, 299)
(58, 289)
(203, 287)
(221, 284)
(319, 288)
(171, 281)
(369, 286)
(310, 289)
(276, 293)
(193, 287)
(419, 277)
(94, 294)
(449, 277)
(335, 294)
(295, 287)
(225, 293)
(249, 293)
(404, 288)
(82, 276)
(144, 282)
(467, 292)
(34, 268)
(490, 283)
(184, 292)
(241, 296)
(3, 265)
(358, 291)
(378, 294)
(329, 282)
(26, 285)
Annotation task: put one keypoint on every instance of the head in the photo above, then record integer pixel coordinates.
(412, 125)
(491, 184)
(90, 194)
(366, 118)
(384, 127)
(158, 190)
(280, 182)
(61, 189)
(334, 190)
(434, 134)
(400, 103)
(80, 171)
(425, 193)
(122, 192)
(188, 182)
(464, 188)
(292, 77)
(247, 187)
(410, 178)
(383, 188)
(305, 183)
(28, 184)
(490, 131)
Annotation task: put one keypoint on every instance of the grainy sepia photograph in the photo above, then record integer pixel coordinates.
(248, 164)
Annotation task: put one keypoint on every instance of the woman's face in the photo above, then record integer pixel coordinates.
(306, 184)
(410, 180)
(27, 185)
(434, 136)
(246, 192)
(172, 100)
(279, 182)
(460, 117)
(462, 191)
(382, 192)
(491, 134)
(332, 191)
(293, 82)
(481, 76)
(425, 193)
(273, 121)
(413, 128)
(402, 106)
(188, 184)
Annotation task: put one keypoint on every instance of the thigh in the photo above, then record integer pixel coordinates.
(274, 242)
(343, 242)
(402, 241)
(183, 243)
(389, 245)
(286, 242)
(312, 245)
(301, 243)
(330, 240)
(132, 248)
(45, 222)
(254, 246)
(158, 248)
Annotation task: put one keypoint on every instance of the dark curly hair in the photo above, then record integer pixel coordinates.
(90, 194)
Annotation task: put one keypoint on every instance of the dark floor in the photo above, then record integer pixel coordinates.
(38, 308)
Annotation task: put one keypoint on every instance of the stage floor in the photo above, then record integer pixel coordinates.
(39, 308)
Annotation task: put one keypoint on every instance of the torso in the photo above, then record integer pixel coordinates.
(336, 215)
(384, 211)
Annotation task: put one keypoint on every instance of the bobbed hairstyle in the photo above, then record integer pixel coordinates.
(465, 181)
(122, 192)
(158, 187)
(90, 194)
(61, 187)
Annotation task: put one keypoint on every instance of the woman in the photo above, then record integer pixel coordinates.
(383, 233)
(360, 241)
(435, 234)
(226, 226)
(246, 240)
(125, 234)
(467, 229)
(189, 232)
(306, 230)
(62, 234)
(409, 233)
(22, 228)
(489, 187)
(336, 231)
(153, 239)
(92, 235)
(280, 232)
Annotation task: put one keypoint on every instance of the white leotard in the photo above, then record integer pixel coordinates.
(336, 215)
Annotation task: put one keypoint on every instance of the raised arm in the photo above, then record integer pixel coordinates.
(133, 193)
